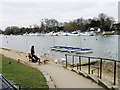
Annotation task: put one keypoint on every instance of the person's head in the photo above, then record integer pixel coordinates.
(32, 47)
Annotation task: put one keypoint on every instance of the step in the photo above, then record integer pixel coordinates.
(83, 73)
(93, 77)
(105, 84)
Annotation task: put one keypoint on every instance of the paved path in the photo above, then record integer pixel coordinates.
(64, 78)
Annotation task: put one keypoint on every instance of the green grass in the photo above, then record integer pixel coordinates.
(0, 63)
(25, 76)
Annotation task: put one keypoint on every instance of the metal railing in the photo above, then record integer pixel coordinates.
(7, 85)
(89, 64)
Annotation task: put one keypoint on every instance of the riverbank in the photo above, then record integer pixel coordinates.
(22, 58)
(61, 77)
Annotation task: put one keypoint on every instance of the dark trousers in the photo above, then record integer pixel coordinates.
(35, 58)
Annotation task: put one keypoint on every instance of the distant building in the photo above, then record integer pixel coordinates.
(119, 11)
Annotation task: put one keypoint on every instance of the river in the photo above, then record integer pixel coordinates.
(103, 46)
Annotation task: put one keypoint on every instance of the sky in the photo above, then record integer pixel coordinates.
(29, 12)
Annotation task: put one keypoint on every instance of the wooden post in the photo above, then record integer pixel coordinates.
(80, 62)
(77, 66)
(66, 59)
(101, 68)
(98, 72)
(114, 72)
(73, 61)
(88, 65)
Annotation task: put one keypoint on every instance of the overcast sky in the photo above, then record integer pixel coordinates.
(29, 12)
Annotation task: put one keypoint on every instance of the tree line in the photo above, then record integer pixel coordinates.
(103, 22)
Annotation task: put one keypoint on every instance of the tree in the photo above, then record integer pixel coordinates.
(8, 31)
(1, 32)
(71, 26)
(23, 30)
(48, 25)
(81, 23)
(102, 18)
(95, 23)
(15, 30)
(106, 22)
(12, 30)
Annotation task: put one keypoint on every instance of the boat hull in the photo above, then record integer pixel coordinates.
(84, 52)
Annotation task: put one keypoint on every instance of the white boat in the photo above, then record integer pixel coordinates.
(58, 49)
(54, 48)
(63, 50)
(71, 50)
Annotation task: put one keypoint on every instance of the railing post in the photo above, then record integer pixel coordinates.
(114, 72)
(73, 61)
(88, 65)
(80, 62)
(101, 68)
(66, 59)
(98, 72)
(77, 66)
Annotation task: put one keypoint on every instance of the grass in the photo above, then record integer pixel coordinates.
(25, 76)
(0, 63)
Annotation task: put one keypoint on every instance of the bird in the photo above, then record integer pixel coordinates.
(56, 61)
(10, 62)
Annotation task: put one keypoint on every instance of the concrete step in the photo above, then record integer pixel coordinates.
(93, 77)
(83, 73)
(116, 87)
(105, 84)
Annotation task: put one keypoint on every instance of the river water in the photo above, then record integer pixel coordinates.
(103, 46)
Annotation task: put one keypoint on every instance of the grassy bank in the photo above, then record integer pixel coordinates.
(25, 76)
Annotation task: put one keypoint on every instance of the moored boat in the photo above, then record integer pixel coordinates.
(84, 51)
(71, 49)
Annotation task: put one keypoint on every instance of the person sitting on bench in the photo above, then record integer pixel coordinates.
(33, 56)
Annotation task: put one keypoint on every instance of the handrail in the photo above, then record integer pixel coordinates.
(93, 57)
(8, 85)
(89, 58)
